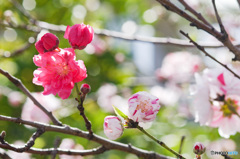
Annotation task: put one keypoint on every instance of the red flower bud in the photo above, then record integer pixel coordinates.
(79, 35)
(85, 88)
(48, 42)
(39, 46)
(199, 148)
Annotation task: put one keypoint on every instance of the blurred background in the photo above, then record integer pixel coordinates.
(116, 69)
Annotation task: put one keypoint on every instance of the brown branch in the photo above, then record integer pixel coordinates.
(23, 11)
(56, 144)
(20, 50)
(191, 10)
(108, 144)
(238, 2)
(59, 151)
(181, 144)
(119, 35)
(207, 54)
(27, 146)
(223, 31)
(3, 155)
(200, 25)
(19, 84)
(227, 157)
(81, 110)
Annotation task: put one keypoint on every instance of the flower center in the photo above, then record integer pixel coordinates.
(144, 105)
(63, 69)
(229, 107)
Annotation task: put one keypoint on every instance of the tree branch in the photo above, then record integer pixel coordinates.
(191, 10)
(238, 2)
(27, 146)
(59, 151)
(207, 54)
(200, 25)
(19, 84)
(223, 31)
(108, 144)
(119, 35)
(181, 144)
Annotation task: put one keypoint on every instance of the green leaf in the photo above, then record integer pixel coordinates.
(120, 113)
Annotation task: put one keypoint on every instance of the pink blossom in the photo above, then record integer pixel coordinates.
(143, 107)
(217, 100)
(179, 67)
(79, 35)
(58, 72)
(113, 127)
(70, 144)
(48, 42)
(15, 98)
(32, 113)
(199, 148)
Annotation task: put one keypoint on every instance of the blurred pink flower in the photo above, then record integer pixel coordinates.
(32, 113)
(79, 35)
(58, 72)
(48, 42)
(179, 67)
(220, 145)
(143, 107)
(217, 101)
(70, 144)
(113, 127)
(106, 94)
(15, 98)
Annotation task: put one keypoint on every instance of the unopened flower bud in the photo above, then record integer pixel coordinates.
(85, 88)
(79, 35)
(113, 127)
(3, 134)
(143, 107)
(39, 46)
(199, 148)
(48, 42)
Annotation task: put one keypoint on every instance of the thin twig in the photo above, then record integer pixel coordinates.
(23, 11)
(200, 25)
(21, 50)
(108, 144)
(20, 85)
(4, 155)
(81, 110)
(207, 54)
(223, 31)
(160, 143)
(119, 35)
(181, 144)
(238, 2)
(59, 151)
(191, 10)
(56, 145)
(227, 157)
(28, 145)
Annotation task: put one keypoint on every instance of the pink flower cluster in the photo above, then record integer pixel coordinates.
(58, 69)
(217, 100)
(142, 107)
